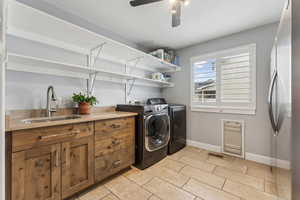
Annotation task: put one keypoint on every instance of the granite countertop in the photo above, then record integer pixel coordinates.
(16, 125)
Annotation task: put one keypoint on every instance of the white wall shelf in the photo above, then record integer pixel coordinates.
(32, 24)
(17, 62)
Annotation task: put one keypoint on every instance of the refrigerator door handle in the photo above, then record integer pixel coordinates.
(270, 102)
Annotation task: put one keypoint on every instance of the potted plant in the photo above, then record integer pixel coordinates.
(85, 102)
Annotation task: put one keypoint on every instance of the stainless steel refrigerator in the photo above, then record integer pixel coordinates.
(280, 104)
(284, 102)
(295, 139)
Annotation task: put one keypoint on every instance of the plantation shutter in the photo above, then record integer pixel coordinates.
(236, 85)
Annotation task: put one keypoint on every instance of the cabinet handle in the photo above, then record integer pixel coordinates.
(115, 126)
(47, 137)
(64, 156)
(116, 142)
(117, 163)
(274, 122)
(56, 159)
(75, 132)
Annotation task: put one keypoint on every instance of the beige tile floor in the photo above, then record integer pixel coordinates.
(192, 174)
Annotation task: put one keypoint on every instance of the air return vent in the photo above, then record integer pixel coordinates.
(233, 137)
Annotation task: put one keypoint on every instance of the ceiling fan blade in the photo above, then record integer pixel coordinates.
(177, 15)
(135, 3)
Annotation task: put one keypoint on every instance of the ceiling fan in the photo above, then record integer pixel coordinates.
(175, 8)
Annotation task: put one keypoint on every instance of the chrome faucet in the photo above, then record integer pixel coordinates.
(51, 101)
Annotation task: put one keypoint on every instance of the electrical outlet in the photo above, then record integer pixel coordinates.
(59, 101)
(66, 102)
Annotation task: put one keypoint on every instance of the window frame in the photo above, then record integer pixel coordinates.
(218, 107)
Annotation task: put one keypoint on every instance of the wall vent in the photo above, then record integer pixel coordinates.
(233, 138)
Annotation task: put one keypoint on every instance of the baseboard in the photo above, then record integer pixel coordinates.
(285, 164)
(205, 146)
(249, 156)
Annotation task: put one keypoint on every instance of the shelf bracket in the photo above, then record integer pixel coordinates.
(91, 83)
(93, 59)
(128, 92)
(91, 63)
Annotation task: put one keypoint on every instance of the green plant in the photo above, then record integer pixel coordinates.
(81, 98)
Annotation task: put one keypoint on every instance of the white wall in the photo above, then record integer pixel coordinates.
(28, 90)
(206, 127)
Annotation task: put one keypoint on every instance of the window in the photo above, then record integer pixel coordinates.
(205, 81)
(225, 81)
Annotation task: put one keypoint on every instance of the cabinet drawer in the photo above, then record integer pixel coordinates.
(106, 127)
(114, 142)
(26, 139)
(112, 163)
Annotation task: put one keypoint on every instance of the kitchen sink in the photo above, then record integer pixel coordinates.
(50, 119)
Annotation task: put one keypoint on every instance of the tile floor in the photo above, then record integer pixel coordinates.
(193, 174)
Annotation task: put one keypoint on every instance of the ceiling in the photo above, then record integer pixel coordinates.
(150, 25)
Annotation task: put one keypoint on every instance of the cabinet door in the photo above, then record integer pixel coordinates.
(36, 174)
(77, 165)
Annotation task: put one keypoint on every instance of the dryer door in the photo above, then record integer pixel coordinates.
(157, 131)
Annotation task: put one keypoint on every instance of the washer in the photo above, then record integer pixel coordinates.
(177, 114)
(152, 132)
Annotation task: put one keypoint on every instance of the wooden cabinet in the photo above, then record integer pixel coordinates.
(54, 163)
(114, 146)
(36, 174)
(77, 165)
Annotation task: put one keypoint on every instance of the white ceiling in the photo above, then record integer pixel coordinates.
(150, 25)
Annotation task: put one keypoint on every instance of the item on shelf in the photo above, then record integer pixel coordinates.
(171, 54)
(167, 77)
(84, 102)
(176, 60)
(164, 54)
(158, 76)
(167, 57)
(159, 53)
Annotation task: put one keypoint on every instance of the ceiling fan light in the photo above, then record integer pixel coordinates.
(187, 2)
(172, 1)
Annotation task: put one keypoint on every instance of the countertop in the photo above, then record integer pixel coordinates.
(19, 125)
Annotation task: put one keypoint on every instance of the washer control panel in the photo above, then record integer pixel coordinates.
(156, 108)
